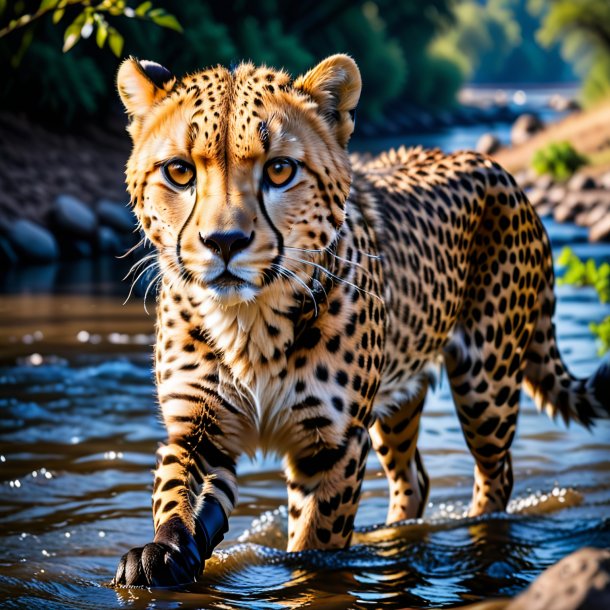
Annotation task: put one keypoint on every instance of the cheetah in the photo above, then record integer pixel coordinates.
(306, 296)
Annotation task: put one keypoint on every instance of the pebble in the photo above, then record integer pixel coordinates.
(116, 215)
(72, 216)
(581, 182)
(488, 144)
(600, 231)
(524, 128)
(32, 242)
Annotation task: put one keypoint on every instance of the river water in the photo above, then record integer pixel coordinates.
(79, 430)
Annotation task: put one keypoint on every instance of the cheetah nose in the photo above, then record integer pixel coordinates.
(226, 244)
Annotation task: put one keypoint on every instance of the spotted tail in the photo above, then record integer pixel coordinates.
(552, 386)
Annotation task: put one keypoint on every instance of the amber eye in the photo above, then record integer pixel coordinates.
(279, 172)
(179, 173)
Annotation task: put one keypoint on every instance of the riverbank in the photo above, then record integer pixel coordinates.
(63, 196)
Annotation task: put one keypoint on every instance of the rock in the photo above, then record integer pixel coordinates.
(581, 182)
(537, 197)
(488, 144)
(8, 256)
(524, 128)
(116, 215)
(32, 242)
(576, 203)
(580, 581)
(544, 182)
(589, 217)
(604, 181)
(71, 216)
(600, 231)
(556, 194)
(562, 104)
(108, 242)
(526, 178)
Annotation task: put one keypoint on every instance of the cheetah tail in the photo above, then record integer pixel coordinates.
(555, 390)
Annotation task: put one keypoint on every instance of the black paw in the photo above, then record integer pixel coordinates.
(155, 565)
(176, 557)
(172, 560)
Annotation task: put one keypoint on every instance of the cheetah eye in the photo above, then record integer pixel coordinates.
(279, 172)
(178, 173)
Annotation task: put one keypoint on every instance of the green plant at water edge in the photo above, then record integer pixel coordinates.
(559, 159)
(587, 273)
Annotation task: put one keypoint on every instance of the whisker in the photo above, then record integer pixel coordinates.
(154, 281)
(135, 281)
(287, 273)
(138, 264)
(335, 277)
(323, 251)
(132, 249)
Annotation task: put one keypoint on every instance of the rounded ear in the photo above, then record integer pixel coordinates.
(335, 85)
(141, 84)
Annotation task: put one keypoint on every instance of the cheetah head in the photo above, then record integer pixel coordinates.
(233, 174)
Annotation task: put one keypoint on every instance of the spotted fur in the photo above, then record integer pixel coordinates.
(307, 318)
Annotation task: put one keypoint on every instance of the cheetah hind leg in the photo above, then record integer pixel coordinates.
(395, 441)
(486, 393)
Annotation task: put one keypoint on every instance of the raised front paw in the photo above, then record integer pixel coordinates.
(156, 565)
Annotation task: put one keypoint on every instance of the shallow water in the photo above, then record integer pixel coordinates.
(77, 439)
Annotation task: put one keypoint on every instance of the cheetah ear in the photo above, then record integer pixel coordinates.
(335, 85)
(141, 84)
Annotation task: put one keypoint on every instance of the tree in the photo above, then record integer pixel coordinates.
(583, 30)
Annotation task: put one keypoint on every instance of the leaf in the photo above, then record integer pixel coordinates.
(2, 6)
(143, 8)
(101, 34)
(115, 41)
(73, 32)
(47, 5)
(164, 19)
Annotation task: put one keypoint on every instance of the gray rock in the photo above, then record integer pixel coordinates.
(116, 215)
(544, 182)
(580, 581)
(600, 231)
(73, 217)
(581, 182)
(32, 242)
(8, 256)
(524, 128)
(604, 181)
(488, 144)
(108, 242)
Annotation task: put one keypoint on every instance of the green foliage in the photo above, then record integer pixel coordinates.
(587, 273)
(559, 159)
(389, 40)
(583, 30)
(602, 332)
(91, 18)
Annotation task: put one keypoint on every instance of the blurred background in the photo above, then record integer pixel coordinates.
(525, 81)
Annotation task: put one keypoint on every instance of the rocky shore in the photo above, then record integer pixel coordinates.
(61, 194)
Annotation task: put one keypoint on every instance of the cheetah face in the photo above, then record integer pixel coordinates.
(234, 174)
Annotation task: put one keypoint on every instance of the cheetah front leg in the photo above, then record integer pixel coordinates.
(323, 492)
(195, 487)
(395, 441)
